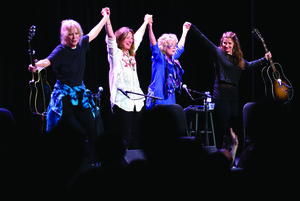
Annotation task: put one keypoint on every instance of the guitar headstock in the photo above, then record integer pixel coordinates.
(30, 36)
(31, 32)
(258, 34)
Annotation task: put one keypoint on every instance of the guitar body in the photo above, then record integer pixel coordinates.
(40, 93)
(277, 87)
(40, 90)
(280, 93)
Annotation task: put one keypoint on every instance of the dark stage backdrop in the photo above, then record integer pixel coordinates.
(275, 22)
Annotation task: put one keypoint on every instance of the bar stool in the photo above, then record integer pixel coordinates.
(200, 109)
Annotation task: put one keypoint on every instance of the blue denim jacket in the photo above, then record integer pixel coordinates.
(166, 77)
(55, 108)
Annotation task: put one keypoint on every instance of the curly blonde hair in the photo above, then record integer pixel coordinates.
(164, 39)
(65, 28)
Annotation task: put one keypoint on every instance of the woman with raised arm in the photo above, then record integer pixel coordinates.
(71, 103)
(126, 107)
(229, 63)
(166, 69)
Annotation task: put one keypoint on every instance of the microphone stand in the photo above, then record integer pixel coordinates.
(154, 97)
(98, 125)
(204, 97)
(197, 92)
(206, 119)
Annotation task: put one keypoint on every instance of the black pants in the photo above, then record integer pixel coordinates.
(126, 125)
(79, 118)
(225, 114)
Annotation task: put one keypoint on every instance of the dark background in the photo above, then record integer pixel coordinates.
(276, 22)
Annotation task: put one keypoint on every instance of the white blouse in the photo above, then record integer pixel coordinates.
(123, 75)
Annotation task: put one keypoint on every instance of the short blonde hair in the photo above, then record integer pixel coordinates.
(164, 39)
(66, 25)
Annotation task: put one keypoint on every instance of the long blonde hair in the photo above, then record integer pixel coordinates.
(236, 52)
(66, 27)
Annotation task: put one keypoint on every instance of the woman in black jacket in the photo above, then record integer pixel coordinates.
(229, 63)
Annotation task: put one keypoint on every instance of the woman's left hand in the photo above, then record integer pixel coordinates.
(148, 19)
(268, 55)
(187, 26)
(105, 11)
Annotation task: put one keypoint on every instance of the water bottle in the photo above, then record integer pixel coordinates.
(208, 100)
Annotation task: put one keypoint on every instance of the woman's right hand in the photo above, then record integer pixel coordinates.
(32, 68)
(105, 11)
(148, 19)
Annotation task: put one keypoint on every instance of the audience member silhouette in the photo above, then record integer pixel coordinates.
(7, 123)
(52, 165)
(110, 179)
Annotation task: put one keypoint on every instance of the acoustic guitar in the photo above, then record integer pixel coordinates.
(40, 89)
(277, 87)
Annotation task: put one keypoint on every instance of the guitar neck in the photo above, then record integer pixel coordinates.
(31, 53)
(270, 59)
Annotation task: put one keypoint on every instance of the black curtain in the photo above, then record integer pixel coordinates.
(212, 18)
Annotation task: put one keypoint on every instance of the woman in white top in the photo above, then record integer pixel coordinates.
(126, 107)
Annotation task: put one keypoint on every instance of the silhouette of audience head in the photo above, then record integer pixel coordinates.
(159, 130)
(110, 150)
(7, 123)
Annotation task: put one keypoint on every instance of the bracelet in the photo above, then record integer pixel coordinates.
(108, 24)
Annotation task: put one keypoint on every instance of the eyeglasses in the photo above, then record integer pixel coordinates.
(172, 46)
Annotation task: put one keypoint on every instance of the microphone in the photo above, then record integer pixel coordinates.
(187, 91)
(123, 92)
(98, 94)
(100, 90)
(184, 86)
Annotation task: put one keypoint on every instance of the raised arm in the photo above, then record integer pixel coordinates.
(185, 29)
(235, 144)
(151, 34)
(108, 27)
(141, 31)
(96, 30)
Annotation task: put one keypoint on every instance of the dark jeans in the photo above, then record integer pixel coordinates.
(225, 113)
(79, 118)
(126, 124)
(82, 120)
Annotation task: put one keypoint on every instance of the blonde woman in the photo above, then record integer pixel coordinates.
(166, 69)
(71, 103)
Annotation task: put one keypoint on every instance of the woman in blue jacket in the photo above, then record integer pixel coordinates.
(166, 69)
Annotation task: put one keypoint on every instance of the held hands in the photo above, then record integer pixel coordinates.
(106, 14)
(105, 11)
(148, 19)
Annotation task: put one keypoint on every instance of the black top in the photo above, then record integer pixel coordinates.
(68, 63)
(227, 73)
